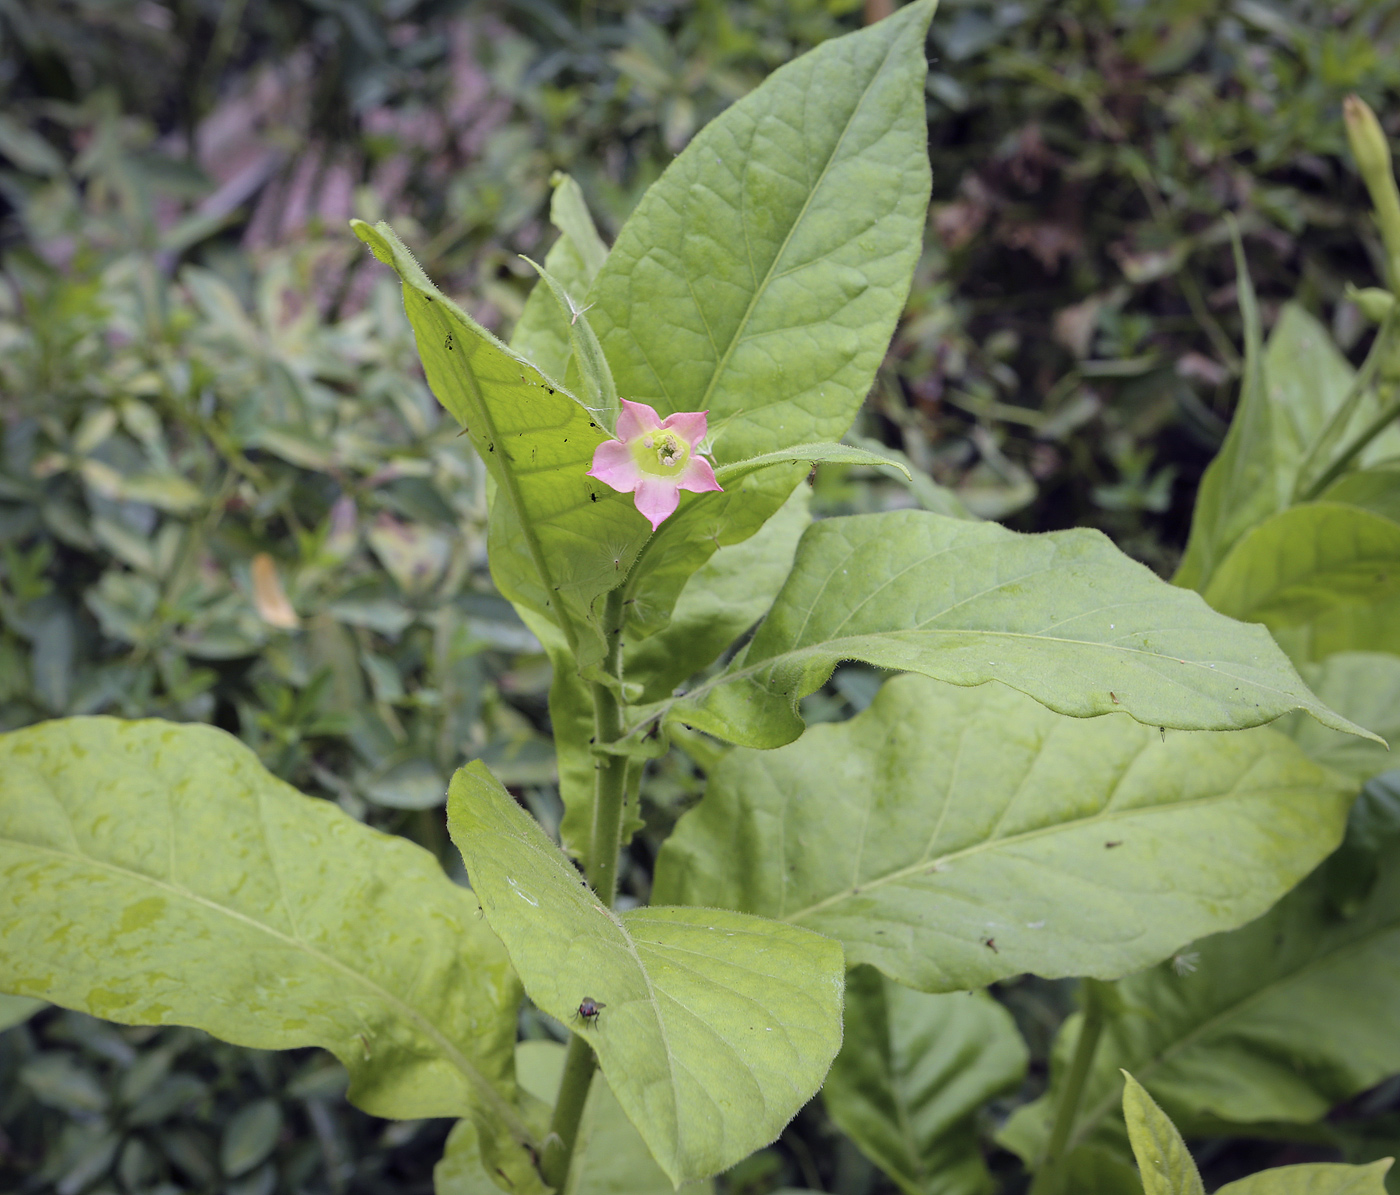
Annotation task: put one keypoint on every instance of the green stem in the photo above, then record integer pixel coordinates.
(1341, 417)
(610, 790)
(1048, 1178)
(1352, 450)
(579, 1065)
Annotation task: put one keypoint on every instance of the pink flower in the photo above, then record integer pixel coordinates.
(654, 459)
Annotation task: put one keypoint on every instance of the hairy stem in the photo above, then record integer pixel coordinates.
(579, 1065)
(609, 792)
(1368, 433)
(1049, 1178)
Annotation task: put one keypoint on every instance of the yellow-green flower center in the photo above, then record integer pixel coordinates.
(662, 454)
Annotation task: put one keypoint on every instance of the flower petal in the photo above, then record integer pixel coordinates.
(636, 418)
(698, 476)
(613, 465)
(657, 498)
(689, 425)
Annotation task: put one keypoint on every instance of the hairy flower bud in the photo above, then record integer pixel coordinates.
(1372, 152)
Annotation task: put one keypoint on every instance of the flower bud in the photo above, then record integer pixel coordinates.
(1372, 153)
(1372, 302)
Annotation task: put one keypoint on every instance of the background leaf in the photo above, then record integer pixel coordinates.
(1317, 1178)
(913, 1071)
(1063, 617)
(1363, 686)
(953, 837)
(1328, 573)
(1278, 1021)
(156, 874)
(717, 1028)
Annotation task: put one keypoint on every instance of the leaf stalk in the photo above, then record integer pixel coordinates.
(1049, 1178)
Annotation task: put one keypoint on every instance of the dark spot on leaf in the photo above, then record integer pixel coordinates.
(991, 944)
(1108, 846)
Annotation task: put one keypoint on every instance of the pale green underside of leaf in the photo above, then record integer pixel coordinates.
(954, 837)
(537, 442)
(913, 1072)
(1064, 617)
(1363, 686)
(1316, 1178)
(760, 278)
(1279, 1021)
(609, 1156)
(1164, 1162)
(1325, 570)
(718, 1027)
(154, 874)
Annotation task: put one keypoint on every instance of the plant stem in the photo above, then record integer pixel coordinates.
(610, 777)
(1048, 1178)
(609, 793)
(1341, 417)
(1354, 449)
(579, 1065)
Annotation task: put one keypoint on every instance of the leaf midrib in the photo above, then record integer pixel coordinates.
(397, 1004)
(935, 865)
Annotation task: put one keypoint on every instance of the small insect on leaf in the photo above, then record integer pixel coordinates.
(588, 1010)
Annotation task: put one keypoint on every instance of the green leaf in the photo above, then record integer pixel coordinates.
(761, 277)
(808, 454)
(1363, 686)
(609, 1156)
(558, 539)
(599, 392)
(250, 1136)
(1377, 490)
(1326, 572)
(721, 601)
(913, 1072)
(1284, 408)
(1166, 1165)
(155, 874)
(726, 596)
(1315, 1178)
(1064, 617)
(542, 331)
(1278, 1021)
(954, 837)
(716, 1027)
(15, 1010)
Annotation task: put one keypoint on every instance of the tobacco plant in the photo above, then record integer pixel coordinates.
(1042, 789)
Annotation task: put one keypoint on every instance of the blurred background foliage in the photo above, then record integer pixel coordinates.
(226, 494)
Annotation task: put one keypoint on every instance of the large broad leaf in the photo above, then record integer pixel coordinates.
(1166, 1165)
(1363, 686)
(1278, 1021)
(155, 874)
(953, 837)
(559, 539)
(1063, 617)
(761, 277)
(1327, 572)
(609, 1157)
(1316, 1178)
(716, 1027)
(912, 1074)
